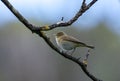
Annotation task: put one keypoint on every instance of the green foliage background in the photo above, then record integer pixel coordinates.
(26, 57)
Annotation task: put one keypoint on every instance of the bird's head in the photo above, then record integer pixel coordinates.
(59, 34)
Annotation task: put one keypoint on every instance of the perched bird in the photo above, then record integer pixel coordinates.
(67, 43)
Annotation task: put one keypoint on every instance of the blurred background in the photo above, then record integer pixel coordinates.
(26, 57)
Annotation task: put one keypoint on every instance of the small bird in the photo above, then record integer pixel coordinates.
(67, 43)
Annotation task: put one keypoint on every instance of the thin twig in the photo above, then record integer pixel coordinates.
(38, 30)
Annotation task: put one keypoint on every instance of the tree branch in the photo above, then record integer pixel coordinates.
(39, 30)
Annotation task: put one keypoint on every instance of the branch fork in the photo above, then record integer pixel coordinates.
(40, 31)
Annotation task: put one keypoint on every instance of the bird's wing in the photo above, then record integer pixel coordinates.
(72, 39)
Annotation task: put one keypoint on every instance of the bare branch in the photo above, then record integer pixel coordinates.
(19, 16)
(83, 8)
(39, 30)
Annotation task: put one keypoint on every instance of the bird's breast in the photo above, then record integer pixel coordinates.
(68, 45)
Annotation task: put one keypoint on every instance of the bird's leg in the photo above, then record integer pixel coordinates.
(72, 51)
(67, 51)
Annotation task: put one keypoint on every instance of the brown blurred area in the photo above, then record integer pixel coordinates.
(26, 57)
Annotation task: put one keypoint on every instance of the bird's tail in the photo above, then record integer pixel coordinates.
(92, 47)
